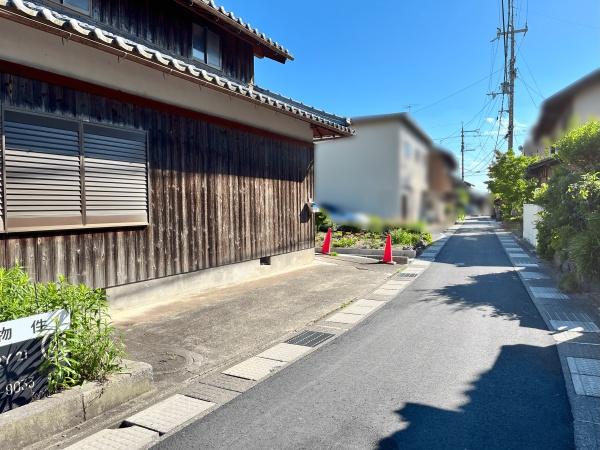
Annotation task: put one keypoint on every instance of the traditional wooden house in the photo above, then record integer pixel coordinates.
(138, 154)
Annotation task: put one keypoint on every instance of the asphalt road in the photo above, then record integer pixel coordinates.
(460, 360)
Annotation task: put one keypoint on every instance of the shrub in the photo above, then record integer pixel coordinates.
(323, 221)
(416, 227)
(569, 282)
(569, 227)
(401, 236)
(88, 351)
(426, 237)
(344, 242)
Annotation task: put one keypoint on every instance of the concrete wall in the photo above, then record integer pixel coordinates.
(530, 219)
(361, 173)
(169, 289)
(34, 48)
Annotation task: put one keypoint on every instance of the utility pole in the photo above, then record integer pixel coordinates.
(508, 87)
(462, 148)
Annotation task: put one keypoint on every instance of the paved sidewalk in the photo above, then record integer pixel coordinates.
(189, 342)
(186, 339)
(576, 326)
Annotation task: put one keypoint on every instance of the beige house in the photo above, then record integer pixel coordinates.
(382, 170)
(576, 104)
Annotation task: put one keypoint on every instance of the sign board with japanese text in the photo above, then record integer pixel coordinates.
(22, 353)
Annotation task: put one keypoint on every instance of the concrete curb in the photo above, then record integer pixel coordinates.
(370, 252)
(30, 423)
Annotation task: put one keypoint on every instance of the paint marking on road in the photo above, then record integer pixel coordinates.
(285, 352)
(254, 368)
(170, 413)
(574, 325)
(130, 438)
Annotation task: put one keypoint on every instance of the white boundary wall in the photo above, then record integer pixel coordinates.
(530, 219)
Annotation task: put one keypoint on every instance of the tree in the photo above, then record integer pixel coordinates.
(508, 183)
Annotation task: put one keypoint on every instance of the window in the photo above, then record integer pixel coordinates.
(404, 207)
(407, 150)
(69, 174)
(79, 5)
(206, 46)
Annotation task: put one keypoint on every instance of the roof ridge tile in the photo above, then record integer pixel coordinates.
(109, 38)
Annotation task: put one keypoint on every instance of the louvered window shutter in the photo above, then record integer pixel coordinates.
(43, 177)
(116, 183)
(64, 174)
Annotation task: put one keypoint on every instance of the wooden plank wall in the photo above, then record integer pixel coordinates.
(167, 26)
(218, 196)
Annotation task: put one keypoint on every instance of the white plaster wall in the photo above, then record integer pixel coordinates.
(30, 47)
(413, 172)
(360, 173)
(530, 219)
(586, 105)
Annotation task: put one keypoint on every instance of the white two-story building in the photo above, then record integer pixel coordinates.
(382, 170)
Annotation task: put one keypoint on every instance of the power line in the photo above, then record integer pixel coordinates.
(475, 83)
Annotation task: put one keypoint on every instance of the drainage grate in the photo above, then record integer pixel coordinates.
(407, 275)
(310, 338)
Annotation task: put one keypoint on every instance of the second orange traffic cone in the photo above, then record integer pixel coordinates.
(387, 253)
(326, 249)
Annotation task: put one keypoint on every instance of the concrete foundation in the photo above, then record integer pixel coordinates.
(166, 290)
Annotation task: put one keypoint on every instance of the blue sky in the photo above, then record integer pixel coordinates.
(357, 57)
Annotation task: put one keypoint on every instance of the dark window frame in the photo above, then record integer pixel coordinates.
(206, 30)
(62, 3)
(4, 229)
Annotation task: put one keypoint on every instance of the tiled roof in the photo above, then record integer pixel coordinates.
(245, 27)
(321, 119)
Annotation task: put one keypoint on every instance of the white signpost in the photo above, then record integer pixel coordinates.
(22, 352)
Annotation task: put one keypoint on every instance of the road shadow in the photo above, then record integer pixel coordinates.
(499, 294)
(521, 403)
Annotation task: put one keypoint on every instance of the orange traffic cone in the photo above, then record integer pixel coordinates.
(326, 250)
(387, 253)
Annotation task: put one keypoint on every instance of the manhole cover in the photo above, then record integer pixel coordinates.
(309, 338)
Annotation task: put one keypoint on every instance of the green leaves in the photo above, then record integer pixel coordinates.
(88, 351)
(508, 183)
(570, 224)
(579, 149)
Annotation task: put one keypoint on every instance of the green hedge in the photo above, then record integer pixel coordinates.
(570, 224)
